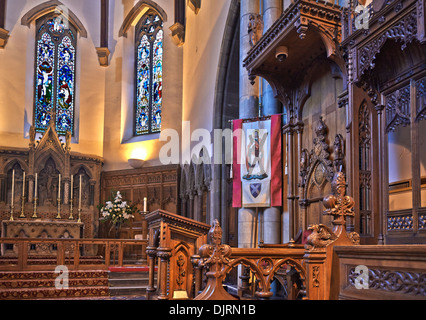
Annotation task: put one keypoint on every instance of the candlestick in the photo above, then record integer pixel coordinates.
(59, 209)
(59, 187)
(79, 196)
(144, 204)
(35, 188)
(59, 198)
(12, 196)
(13, 186)
(23, 184)
(23, 197)
(34, 216)
(72, 198)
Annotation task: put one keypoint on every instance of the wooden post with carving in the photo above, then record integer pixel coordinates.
(319, 257)
(215, 256)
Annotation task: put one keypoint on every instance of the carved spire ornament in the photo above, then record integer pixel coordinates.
(214, 256)
(339, 205)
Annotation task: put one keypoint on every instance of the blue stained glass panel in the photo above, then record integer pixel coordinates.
(157, 82)
(44, 82)
(56, 25)
(149, 74)
(55, 75)
(143, 93)
(65, 91)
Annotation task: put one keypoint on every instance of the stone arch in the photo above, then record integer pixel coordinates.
(49, 7)
(43, 157)
(136, 11)
(9, 165)
(89, 172)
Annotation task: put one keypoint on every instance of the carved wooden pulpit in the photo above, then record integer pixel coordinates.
(173, 240)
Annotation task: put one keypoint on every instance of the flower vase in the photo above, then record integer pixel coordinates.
(117, 231)
(114, 231)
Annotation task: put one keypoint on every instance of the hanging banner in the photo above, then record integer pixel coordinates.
(258, 171)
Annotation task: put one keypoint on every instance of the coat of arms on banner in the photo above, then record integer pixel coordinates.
(256, 164)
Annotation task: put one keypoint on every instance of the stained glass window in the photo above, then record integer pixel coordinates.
(149, 74)
(55, 74)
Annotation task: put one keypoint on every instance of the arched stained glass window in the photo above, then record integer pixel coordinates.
(149, 74)
(55, 74)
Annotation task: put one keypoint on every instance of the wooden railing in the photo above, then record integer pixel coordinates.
(315, 263)
(24, 254)
(259, 268)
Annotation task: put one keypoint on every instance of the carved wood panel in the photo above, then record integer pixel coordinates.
(160, 185)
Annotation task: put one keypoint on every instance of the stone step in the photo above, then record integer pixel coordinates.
(128, 281)
(31, 275)
(127, 275)
(53, 293)
(133, 282)
(50, 283)
(127, 291)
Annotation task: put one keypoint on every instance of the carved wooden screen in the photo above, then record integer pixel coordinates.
(316, 174)
(405, 110)
(365, 167)
(159, 184)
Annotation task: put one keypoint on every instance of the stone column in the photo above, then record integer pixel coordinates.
(272, 10)
(249, 108)
(183, 205)
(199, 207)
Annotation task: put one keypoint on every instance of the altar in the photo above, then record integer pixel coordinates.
(48, 191)
(43, 229)
(39, 229)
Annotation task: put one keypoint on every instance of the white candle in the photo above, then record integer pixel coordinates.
(23, 185)
(13, 186)
(144, 204)
(35, 189)
(79, 195)
(72, 185)
(59, 187)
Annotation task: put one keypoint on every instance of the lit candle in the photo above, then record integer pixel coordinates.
(23, 185)
(144, 204)
(35, 189)
(79, 196)
(13, 186)
(59, 187)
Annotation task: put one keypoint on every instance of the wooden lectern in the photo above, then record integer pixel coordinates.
(173, 240)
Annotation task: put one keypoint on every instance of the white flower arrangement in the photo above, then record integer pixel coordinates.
(117, 211)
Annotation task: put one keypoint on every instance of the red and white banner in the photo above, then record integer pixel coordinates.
(257, 163)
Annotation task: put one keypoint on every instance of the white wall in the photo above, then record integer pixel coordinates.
(203, 43)
(119, 146)
(17, 79)
(104, 96)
